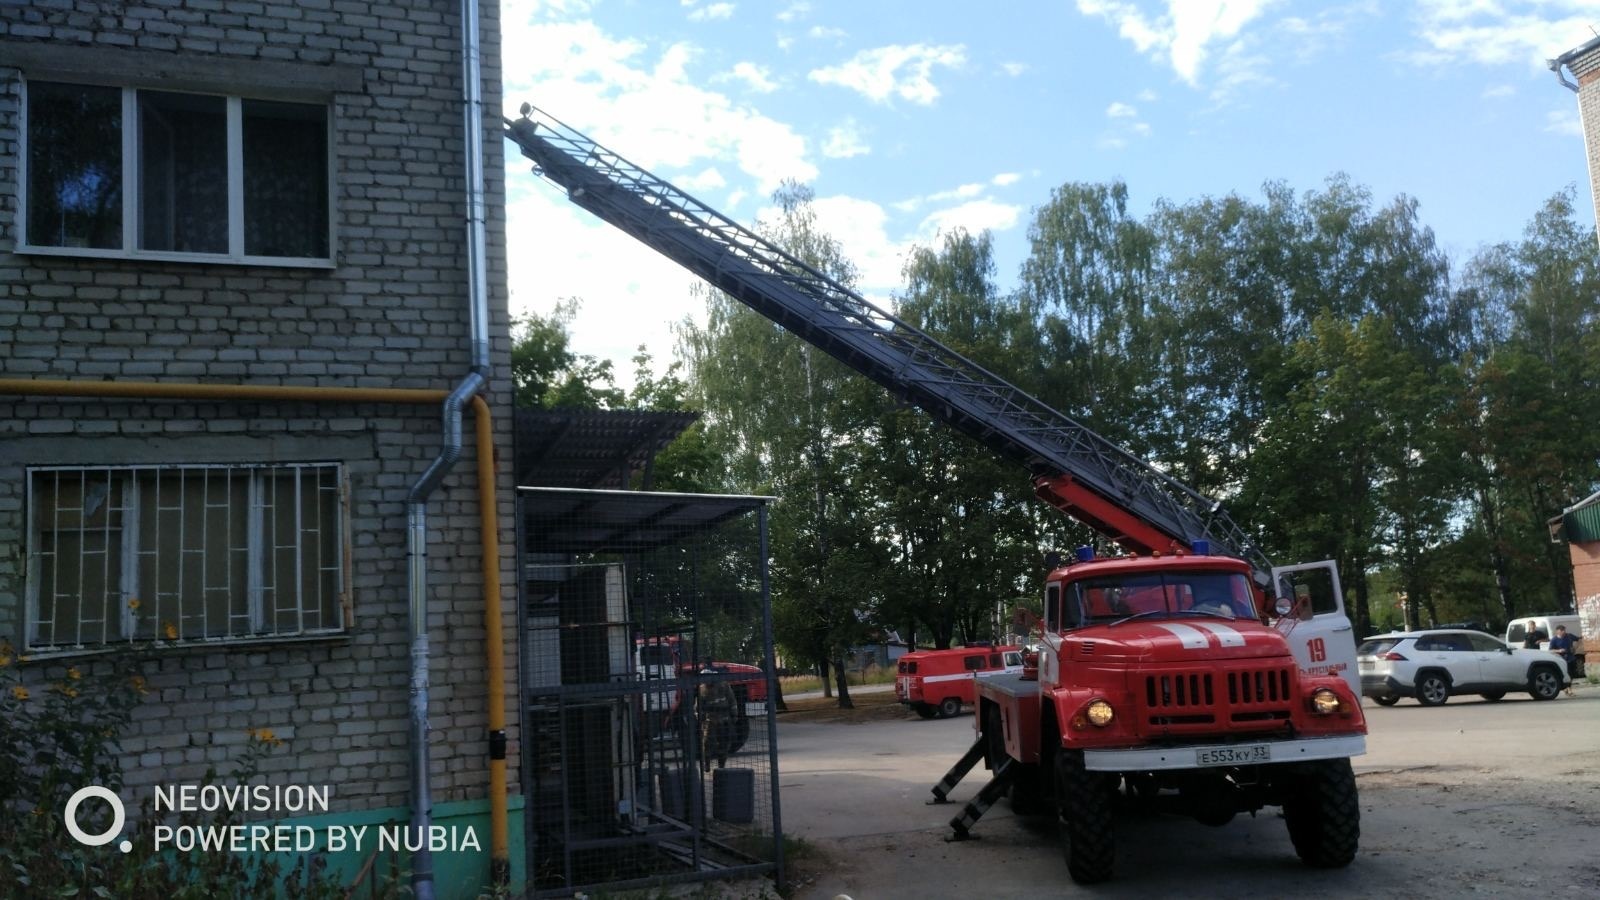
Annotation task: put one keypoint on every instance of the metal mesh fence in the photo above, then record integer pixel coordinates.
(647, 737)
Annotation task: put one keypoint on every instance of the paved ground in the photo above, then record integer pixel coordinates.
(1473, 798)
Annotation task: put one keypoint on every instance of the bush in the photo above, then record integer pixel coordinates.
(65, 735)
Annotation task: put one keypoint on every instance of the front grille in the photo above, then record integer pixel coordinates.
(1178, 691)
(1260, 686)
(1251, 697)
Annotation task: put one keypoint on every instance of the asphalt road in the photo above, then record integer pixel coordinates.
(1472, 798)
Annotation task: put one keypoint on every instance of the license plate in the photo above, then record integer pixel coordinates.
(1368, 664)
(1233, 756)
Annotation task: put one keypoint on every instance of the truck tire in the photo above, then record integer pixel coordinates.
(1323, 812)
(741, 734)
(1085, 800)
(1544, 683)
(924, 710)
(949, 707)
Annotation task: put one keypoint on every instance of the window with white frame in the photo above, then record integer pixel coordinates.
(184, 553)
(115, 171)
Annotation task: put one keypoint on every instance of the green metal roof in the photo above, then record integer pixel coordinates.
(1582, 523)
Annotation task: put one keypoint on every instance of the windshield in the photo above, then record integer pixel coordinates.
(656, 655)
(1093, 601)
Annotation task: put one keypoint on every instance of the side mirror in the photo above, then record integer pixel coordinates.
(1293, 608)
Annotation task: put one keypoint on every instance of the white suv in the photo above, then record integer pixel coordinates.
(1432, 665)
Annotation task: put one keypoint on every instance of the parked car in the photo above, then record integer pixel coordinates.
(1545, 623)
(1435, 664)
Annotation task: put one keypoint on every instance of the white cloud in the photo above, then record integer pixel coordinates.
(845, 141)
(1498, 92)
(826, 33)
(1497, 33)
(651, 104)
(793, 12)
(1120, 110)
(1184, 34)
(1014, 68)
(757, 78)
(1005, 179)
(701, 181)
(861, 228)
(653, 111)
(1563, 122)
(895, 71)
(964, 192)
(714, 11)
(617, 279)
(1147, 96)
(975, 216)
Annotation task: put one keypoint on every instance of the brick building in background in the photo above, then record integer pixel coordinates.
(1579, 525)
(256, 195)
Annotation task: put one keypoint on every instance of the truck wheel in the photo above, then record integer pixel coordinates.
(1085, 800)
(1324, 813)
(1433, 689)
(1544, 683)
(949, 707)
(924, 710)
(741, 733)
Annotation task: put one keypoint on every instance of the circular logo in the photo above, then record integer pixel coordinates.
(118, 816)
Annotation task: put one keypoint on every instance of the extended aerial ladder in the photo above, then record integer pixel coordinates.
(1085, 475)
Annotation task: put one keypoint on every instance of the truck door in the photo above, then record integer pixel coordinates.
(1324, 643)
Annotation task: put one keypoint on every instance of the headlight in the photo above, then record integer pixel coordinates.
(1324, 702)
(1100, 714)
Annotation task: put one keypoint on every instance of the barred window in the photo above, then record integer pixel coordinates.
(184, 553)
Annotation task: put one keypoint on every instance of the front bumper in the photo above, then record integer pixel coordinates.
(1171, 758)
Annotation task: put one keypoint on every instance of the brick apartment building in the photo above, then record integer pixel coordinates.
(248, 196)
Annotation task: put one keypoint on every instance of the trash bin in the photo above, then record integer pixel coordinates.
(733, 795)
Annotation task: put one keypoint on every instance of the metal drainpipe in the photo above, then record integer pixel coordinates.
(470, 386)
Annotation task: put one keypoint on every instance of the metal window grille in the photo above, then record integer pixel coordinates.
(184, 553)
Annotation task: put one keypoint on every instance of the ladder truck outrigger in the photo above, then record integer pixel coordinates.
(1189, 673)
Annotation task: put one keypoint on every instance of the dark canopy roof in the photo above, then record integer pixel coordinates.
(558, 520)
(590, 448)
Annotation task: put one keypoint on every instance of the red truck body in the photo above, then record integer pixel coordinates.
(1159, 676)
(942, 682)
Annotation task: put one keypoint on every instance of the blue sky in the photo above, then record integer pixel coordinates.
(912, 118)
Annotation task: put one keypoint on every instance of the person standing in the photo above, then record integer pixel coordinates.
(1563, 643)
(1536, 636)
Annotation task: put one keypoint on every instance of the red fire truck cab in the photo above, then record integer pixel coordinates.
(940, 682)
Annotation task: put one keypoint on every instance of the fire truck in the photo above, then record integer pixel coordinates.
(1145, 684)
(664, 661)
(937, 683)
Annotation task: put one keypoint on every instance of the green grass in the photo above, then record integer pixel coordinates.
(799, 684)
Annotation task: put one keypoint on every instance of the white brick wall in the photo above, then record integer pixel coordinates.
(392, 313)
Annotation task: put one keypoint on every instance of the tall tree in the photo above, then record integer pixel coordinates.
(956, 517)
(791, 420)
